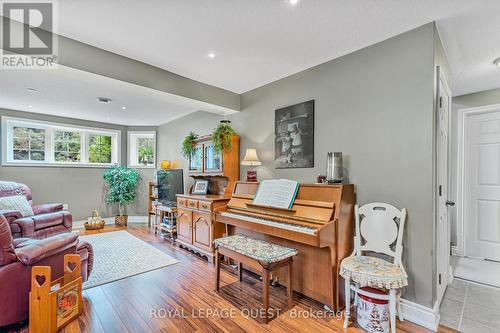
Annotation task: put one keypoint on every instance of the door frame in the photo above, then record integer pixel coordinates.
(462, 117)
(440, 79)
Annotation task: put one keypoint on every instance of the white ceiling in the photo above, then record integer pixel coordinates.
(255, 42)
(259, 41)
(68, 92)
(472, 43)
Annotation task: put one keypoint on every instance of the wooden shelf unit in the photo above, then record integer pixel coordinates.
(151, 197)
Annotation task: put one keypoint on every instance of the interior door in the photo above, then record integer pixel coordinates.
(482, 185)
(443, 223)
(184, 225)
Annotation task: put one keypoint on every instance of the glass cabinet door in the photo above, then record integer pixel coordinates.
(213, 160)
(196, 160)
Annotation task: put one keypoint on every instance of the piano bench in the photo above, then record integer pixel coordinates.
(259, 255)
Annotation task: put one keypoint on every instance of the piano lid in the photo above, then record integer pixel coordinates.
(315, 203)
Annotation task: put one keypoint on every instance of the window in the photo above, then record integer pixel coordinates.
(42, 143)
(67, 146)
(142, 149)
(28, 143)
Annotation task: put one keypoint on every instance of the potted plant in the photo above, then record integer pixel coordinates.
(187, 145)
(122, 183)
(222, 136)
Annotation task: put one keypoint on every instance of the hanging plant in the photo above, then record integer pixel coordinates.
(222, 135)
(187, 145)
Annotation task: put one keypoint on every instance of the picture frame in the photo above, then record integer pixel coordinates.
(200, 186)
(294, 136)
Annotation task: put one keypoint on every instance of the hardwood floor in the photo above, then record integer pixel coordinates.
(181, 298)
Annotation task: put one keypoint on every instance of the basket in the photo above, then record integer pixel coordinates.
(95, 222)
(121, 220)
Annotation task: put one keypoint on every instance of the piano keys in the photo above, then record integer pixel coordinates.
(320, 225)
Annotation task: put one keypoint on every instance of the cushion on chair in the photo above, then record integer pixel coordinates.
(256, 249)
(16, 203)
(373, 272)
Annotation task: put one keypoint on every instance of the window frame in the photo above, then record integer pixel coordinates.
(8, 124)
(132, 138)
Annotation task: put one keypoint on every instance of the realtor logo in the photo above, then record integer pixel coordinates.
(28, 35)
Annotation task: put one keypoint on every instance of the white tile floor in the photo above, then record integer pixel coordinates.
(471, 308)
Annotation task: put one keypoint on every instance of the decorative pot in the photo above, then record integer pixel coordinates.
(121, 220)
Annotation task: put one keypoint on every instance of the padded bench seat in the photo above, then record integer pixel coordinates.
(260, 255)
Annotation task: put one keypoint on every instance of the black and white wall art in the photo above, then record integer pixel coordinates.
(294, 136)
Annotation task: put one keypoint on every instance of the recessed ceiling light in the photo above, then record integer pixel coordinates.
(104, 100)
(294, 2)
(124, 107)
(108, 118)
(497, 62)
(31, 89)
(30, 106)
(211, 55)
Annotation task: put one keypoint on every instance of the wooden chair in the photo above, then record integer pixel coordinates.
(379, 229)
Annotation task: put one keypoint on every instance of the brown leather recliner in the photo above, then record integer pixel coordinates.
(48, 219)
(17, 256)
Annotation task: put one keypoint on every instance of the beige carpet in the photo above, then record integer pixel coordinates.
(119, 254)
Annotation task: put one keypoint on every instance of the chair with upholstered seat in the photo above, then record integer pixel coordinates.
(379, 229)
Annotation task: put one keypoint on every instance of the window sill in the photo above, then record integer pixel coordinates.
(139, 166)
(57, 165)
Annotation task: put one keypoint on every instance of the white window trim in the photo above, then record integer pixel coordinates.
(132, 149)
(7, 131)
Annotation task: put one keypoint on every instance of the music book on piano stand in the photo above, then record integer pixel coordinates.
(278, 193)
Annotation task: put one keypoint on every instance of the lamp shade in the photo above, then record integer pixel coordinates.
(251, 157)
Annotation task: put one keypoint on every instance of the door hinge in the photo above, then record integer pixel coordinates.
(441, 102)
(440, 190)
(439, 278)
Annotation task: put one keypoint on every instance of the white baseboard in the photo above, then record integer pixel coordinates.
(420, 315)
(111, 220)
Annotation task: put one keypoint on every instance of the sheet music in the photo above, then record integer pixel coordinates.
(276, 193)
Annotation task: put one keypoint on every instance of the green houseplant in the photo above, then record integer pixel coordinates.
(187, 144)
(222, 136)
(122, 184)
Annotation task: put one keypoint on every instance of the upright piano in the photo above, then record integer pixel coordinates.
(320, 225)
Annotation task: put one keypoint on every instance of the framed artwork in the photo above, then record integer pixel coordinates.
(200, 186)
(294, 136)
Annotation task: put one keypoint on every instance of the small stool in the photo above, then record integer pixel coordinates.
(259, 255)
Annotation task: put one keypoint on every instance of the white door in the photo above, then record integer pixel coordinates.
(443, 228)
(482, 185)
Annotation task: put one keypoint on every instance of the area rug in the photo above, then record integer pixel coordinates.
(119, 254)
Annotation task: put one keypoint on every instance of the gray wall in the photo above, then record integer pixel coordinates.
(81, 188)
(375, 105)
(482, 98)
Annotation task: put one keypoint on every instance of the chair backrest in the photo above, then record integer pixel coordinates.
(378, 226)
(8, 189)
(7, 253)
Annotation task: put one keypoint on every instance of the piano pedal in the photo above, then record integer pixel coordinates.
(327, 308)
(274, 282)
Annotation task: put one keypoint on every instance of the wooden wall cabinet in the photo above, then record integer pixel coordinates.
(222, 168)
(196, 226)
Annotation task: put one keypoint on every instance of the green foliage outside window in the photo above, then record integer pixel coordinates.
(99, 148)
(145, 148)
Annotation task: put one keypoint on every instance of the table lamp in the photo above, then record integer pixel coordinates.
(251, 159)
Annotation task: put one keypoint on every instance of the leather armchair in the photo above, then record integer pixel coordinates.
(48, 219)
(17, 256)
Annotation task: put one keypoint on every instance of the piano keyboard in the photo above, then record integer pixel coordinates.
(276, 224)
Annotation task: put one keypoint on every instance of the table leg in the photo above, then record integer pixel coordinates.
(217, 270)
(240, 271)
(290, 285)
(265, 293)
